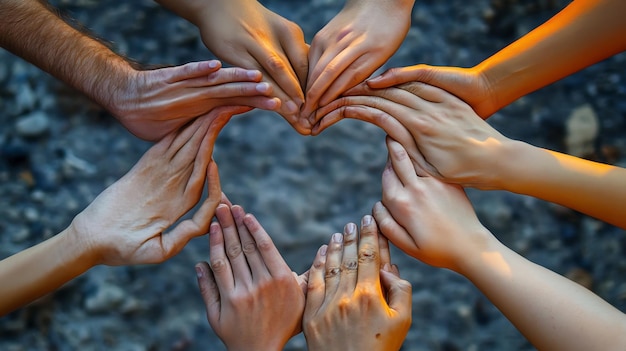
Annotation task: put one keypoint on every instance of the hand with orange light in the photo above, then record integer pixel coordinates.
(583, 33)
(435, 223)
(352, 46)
(356, 299)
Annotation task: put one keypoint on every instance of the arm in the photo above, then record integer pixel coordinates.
(446, 139)
(149, 103)
(246, 34)
(356, 299)
(352, 46)
(552, 312)
(583, 33)
(126, 223)
(253, 299)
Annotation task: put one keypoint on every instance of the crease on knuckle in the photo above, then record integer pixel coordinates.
(217, 265)
(350, 266)
(234, 251)
(332, 272)
(249, 247)
(367, 255)
(276, 64)
(264, 244)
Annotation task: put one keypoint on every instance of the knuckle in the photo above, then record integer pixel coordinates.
(350, 266)
(332, 272)
(233, 251)
(275, 63)
(217, 265)
(367, 255)
(265, 244)
(249, 247)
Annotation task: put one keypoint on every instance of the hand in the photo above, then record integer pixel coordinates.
(254, 301)
(450, 141)
(351, 303)
(156, 102)
(415, 214)
(126, 223)
(246, 34)
(352, 46)
(468, 84)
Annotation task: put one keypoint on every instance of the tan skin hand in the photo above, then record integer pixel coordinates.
(126, 223)
(254, 301)
(355, 43)
(468, 84)
(353, 304)
(246, 34)
(449, 142)
(157, 102)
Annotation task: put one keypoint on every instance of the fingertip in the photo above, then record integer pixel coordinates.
(214, 64)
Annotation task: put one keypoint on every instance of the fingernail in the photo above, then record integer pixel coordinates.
(291, 107)
(213, 63)
(367, 220)
(350, 228)
(387, 267)
(375, 79)
(338, 238)
(323, 250)
(262, 87)
(199, 272)
(252, 74)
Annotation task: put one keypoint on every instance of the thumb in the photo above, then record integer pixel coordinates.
(398, 292)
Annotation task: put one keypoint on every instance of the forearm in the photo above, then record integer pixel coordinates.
(552, 312)
(583, 33)
(596, 189)
(30, 30)
(41, 269)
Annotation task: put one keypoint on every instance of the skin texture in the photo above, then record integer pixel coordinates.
(583, 33)
(356, 299)
(415, 215)
(246, 34)
(254, 301)
(149, 103)
(352, 46)
(447, 140)
(126, 224)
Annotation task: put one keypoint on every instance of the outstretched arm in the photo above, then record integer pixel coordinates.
(448, 140)
(246, 34)
(583, 33)
(552, 312)
(149, 103)
(126, 224)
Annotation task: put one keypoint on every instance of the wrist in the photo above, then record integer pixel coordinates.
(482, 249)
(80, 241)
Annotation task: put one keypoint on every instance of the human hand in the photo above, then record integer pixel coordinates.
(353, 302)
(254, 301)
(449, 141)
(351, 47)
(246, 34)
(415, 214)
(126, 223)
(468, 84)
(156, 102)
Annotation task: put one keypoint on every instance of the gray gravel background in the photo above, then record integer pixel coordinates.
(301, 188)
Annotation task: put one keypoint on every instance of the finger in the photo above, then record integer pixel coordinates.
(190, 70)
(230, 75)
(185, 139)
(219, 263)
(352, 75)
(275, 263)
(316, 288)
(398, 75)
(401, 163)
(333, 264)
(350, 258)
(398, 293)
(392, 230)
(297, 52)
(425, 91)
(232, 244)
(369, 254)
(209, 291)
(303, 281)
(385, 253)
(203, 216)
(260, 102)
(224, 200)
(249, 245)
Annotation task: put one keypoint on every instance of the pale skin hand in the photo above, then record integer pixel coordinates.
(552, 312)
(346, 308)
(149, 103)
(126, 223)
(447, 140)
(246, 34)
(583, 33)
(253, 299)
(352, 46)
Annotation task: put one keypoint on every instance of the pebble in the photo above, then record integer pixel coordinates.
(582, 129)
(106, 299)
(33, 125)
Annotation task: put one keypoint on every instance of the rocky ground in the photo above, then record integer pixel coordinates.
(58, 151)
